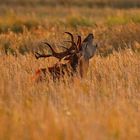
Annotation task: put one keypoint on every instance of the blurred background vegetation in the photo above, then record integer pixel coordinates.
(88, 3)
(115, 23)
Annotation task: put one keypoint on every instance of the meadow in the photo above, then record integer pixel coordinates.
(103, 106)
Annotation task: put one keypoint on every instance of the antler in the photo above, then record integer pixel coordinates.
(73, 44)
(38, 55)
(78, 56)
(79, 42)
(61, 54)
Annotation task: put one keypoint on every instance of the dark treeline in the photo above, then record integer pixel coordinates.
(86, 3)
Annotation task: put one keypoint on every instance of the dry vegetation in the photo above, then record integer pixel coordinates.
(104, 106)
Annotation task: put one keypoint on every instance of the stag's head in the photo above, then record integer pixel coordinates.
(87, 49)
(77, 56)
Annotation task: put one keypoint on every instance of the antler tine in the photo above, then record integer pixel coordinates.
(38, 55)
(71, 35)
(64, 47)
(74, 46)
(59, 55)
(53, 52)
(79, 41)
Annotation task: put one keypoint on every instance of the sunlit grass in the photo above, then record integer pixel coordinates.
(123, 20)
(105, 105)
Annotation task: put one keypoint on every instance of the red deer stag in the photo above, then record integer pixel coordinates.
(77, 57)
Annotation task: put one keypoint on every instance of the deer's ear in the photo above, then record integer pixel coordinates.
(88, 47)
(89, 50)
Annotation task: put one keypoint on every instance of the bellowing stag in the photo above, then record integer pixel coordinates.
(77, 57)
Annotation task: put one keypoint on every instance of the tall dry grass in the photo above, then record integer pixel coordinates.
(103, 106)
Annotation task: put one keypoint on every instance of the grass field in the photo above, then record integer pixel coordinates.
(103, 106)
